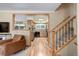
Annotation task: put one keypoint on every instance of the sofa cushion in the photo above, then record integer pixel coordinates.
(17, 37)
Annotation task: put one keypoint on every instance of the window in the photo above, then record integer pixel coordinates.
(21, 21)
(40, 26)
(19, 26)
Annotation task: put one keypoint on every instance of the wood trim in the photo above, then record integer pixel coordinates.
(71, 40)
(30, 38)
(13, 21)
(63, 24)
(48, 29)
(59, 23)
(39, 23)
(53, 43)
(30, 13)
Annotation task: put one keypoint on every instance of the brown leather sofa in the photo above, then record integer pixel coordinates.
(10, 47)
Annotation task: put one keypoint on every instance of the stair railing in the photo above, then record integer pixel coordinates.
(62, 35)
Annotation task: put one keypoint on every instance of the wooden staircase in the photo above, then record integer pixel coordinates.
(63, 34)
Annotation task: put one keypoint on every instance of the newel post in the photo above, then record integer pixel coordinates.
(53, 43)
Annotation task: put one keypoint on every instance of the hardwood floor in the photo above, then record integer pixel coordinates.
(39, 47)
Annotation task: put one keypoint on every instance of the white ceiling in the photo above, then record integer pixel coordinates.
(29, 6)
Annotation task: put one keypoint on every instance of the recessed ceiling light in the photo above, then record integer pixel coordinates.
(41, 19)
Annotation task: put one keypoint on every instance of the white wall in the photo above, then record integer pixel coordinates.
(78, 27)
(6, 17)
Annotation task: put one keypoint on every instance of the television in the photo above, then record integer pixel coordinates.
(4, 27)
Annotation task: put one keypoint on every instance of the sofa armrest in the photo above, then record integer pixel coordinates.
(13, 42)
(5, 41)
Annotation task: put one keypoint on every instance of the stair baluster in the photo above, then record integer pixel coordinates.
(62, 35)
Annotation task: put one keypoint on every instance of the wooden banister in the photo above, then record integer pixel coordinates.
(65, 44)
(62, 35)
(59, 23)
(63, 24)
